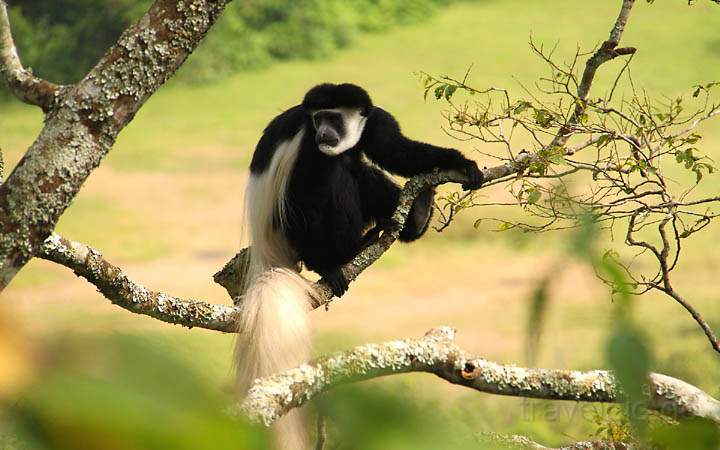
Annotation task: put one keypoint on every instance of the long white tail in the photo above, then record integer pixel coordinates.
(273, 328)
(274, 335)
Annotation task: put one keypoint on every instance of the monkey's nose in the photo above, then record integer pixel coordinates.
(327, 139)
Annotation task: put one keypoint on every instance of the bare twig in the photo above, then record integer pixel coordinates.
(321, 431)
(436, 353)
(663, 281)
(695, 315)
(607, 51)
(26, 86)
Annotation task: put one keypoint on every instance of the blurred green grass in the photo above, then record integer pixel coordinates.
(166, 202)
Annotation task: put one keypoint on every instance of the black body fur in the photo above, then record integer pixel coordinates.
(333, 200)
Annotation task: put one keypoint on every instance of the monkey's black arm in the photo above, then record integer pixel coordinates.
(384, 143)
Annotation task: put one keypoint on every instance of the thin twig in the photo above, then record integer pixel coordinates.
(321, 432)
(607, 51)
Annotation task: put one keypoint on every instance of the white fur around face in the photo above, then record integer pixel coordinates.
(354, 125)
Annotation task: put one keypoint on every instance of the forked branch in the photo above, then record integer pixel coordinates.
(607, 51)
(87, 118)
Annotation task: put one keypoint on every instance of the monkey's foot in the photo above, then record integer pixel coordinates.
(337, 281)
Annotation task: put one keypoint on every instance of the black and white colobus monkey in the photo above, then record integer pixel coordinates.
(313, 194)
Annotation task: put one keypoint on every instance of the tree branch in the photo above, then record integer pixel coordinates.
(122, 291)
(607, 51)
(110, 280)
(662, 281)
(230, 276)
(518, 442)
(436, 353)
(23, 84)
(86, 120)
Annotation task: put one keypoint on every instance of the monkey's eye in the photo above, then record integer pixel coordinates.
(316, 120)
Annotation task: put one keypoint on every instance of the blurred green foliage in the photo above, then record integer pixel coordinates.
(128, 392)
(372, 418)
(120, 392)
(62, 39)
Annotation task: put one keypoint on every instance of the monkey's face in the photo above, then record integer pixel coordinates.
(337, 130)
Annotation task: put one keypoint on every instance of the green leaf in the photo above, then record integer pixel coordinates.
(543, 118)
(533, 195)
(521, 106)
(602, 140)
(449, 91)
(428, 81)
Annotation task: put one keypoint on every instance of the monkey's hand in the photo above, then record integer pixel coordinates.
(474, 175)
(337, 281)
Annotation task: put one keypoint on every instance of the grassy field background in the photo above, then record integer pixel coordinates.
(166, 203)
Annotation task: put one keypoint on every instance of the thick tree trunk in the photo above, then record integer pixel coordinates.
(84, 120)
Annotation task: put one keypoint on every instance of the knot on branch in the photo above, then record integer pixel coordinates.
(624, 51)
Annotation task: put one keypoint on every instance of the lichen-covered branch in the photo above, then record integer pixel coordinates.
(22, 83)
(436, 353)
(119, 289)
(122, 291)
(518, 442)
(85, 119)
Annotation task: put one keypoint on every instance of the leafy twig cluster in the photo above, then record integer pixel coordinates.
(630, 161)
